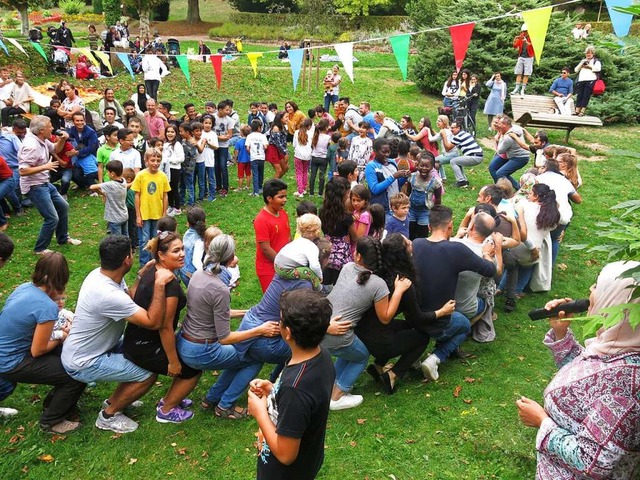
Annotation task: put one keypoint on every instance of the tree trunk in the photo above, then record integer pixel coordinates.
(24, 18)
(193, 11)
(144, 14)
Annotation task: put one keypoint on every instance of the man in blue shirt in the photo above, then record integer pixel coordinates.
(10, 144)
(562, 91)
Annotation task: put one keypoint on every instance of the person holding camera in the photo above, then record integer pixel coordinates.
(588, 71)
(34, 165)
(589, 426)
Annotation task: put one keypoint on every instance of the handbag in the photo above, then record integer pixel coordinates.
(599, 87)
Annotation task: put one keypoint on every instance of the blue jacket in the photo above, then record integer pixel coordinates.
(377, 183)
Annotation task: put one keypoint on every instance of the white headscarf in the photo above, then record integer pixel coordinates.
(611, 291)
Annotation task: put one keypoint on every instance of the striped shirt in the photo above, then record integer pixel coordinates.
(467, 144)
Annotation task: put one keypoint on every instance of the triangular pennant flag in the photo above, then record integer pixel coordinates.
(87, 53)
(460, 37)
(104, 58)
(253, 60)
(537, 22)
(4, 47)
(39, 49)
(124, 58)
(17, 45)
(621, 21)
(216, 61)
(400, 47)
(345, 54)
(295, 61)
(184, 66)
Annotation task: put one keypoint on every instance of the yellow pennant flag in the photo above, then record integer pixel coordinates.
(87, 53)
(105, 59)
(537, 22)
(253, 60)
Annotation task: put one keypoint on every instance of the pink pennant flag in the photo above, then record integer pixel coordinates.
(216, 61)
(460, 38)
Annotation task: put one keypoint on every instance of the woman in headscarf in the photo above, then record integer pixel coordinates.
(590, 424)
(140, 98)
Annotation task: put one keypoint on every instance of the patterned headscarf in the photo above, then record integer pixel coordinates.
(611, 291)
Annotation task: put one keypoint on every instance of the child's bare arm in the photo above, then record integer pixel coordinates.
(138, 214)
(96, 188)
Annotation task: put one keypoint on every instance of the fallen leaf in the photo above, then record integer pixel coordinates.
(379, 435)
(353, 443)
(392, 477)
(467, 401)
(456, 391)
(16, 438)
(205, 454)
(132, 461)
(469, 380)
(117, 435)
(25, 469)
(182, 450)
(20, 428)
(35, 398)
(409, 441)
(174, 444)
(562, 266)
(361, 421)
(46, 458)
(57, 438)
(521, 359)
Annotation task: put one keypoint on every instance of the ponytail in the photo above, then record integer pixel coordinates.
(549, 215)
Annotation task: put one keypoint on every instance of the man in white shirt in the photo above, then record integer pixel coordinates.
(19, 101)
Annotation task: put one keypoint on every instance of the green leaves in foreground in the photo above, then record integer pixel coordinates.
(608, 317)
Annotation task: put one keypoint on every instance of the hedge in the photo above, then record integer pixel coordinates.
(335, 22)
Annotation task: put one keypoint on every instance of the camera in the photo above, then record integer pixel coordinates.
(59, 132)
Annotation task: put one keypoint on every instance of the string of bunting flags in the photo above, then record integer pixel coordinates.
(537, 21)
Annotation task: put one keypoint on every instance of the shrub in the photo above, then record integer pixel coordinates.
(71, 7)
(97, 6)
(11, 22)
(111, 11)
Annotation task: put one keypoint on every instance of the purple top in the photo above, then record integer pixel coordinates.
(593, 404)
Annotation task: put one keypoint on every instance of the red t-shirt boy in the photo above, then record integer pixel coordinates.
(272, 229)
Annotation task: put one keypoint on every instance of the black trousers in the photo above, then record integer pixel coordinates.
(48, 370)
(151, 88)
(400, 340)
(7, 112)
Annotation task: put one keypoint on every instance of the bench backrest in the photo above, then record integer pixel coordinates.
(531, 103)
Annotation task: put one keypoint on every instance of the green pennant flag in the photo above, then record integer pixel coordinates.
(39, 49)
(184, 66)
(400, 46)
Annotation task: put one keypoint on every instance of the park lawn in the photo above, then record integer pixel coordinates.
(423, 431)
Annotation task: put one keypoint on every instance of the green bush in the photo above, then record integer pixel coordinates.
(97, 6)
(11, 22)
(490, 50)
(111, 9)
(337, 23)
(257, 32)
(264, 6)
(72, 7)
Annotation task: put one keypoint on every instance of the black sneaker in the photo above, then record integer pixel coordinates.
(510, 305)
(462, 184)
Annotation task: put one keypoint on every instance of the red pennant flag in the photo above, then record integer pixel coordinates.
(460, 37)
(216, 61)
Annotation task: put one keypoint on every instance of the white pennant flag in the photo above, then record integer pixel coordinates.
(17, 45)
(345, 54)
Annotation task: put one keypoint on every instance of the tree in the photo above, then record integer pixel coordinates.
(355, 8)
(21, 6)
(144, 9)
(193, 11)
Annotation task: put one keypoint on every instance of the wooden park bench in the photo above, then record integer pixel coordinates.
(539, 111)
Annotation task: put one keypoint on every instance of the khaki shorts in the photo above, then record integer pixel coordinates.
(524, 66)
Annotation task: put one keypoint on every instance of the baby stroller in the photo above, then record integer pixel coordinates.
(173, 49)
(60, 59)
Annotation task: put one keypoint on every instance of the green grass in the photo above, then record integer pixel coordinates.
(423, 431)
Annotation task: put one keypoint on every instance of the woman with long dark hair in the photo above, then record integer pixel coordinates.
(277, 153)
(140, 98)
(406, 338)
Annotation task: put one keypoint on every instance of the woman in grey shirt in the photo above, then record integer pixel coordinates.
(206, 341)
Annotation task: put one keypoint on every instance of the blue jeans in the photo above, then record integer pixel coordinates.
(6, 187)
(186, 187)
(199, 176)
(262, 349)
(445, 158)
(257, 172)
(118, 228)
(65, 175)
(501, 167)
(211, 181)
(222, 172)
(6, 388)
(452, 336)
(555, 243)
(146, 232)
(329, 100)
(237, 373)
(55, 211)
(351, 362)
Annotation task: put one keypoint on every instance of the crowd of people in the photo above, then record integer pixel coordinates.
(369, 254)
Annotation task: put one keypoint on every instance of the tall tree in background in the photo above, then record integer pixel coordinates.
(21, 6)
(144, 9)
(193, 11)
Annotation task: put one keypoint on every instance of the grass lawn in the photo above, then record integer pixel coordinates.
(425, 430)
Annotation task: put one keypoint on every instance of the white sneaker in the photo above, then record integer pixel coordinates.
(346, 401)
(134, 404)
(119, 423)
(74, 241)
(430, 367)
(8, 412)
(170, 211)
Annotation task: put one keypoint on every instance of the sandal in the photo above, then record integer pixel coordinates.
(231, 413)
(207, 405)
